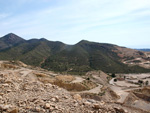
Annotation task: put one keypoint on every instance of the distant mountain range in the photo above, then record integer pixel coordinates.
(75, 59)
(146, 50)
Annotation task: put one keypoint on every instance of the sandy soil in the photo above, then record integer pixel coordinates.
(138, 76)
(141, 104)
(125, 84)
(119, 91)
(123, 88)
(78, 79)
(95, 90)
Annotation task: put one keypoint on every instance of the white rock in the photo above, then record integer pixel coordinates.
(66, 97)
(96, 106)
(77, 97)
(86, 103)
(56, 107)
(5, 107)
(38, 109)
(57, 98)
(76, 104)
(47, 105)
(102, 103)
(53, 99)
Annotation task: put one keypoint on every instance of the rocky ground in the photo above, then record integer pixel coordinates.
(22, 92)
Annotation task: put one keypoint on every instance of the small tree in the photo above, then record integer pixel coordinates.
(113, 75)
(124, 77)
(140, 82)
(88, 78)
(115, 80)
(147, 83)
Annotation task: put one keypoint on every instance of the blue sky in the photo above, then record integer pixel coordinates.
(121, 22)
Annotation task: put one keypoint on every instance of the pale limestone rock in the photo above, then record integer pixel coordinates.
(38, 109)
(5, 107)
(77, 97)
(102, 103)
(53, 99)
(47, 105)
(96, 106)
(15, 110)
(87, 103)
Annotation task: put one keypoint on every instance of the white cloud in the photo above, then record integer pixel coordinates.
(89, 19)
(3, 15)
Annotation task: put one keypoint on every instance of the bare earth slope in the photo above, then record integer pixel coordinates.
(22, 92)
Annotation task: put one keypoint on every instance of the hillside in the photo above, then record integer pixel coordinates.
(22, 92)
(75, 59)
(32, 51)
(86, 56)
(25, 89)
(10, 40)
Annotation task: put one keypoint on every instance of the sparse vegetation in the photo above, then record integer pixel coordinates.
(124, 77)
(147, 83)
(88, 78)
(113, 75)
(70, 59)
(102, 93)
(115, 80)
(140, 81)
(40, 75)
(65, 78)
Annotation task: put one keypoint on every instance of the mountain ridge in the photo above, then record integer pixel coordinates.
(75, 59)
(10, 40)
(144, 49)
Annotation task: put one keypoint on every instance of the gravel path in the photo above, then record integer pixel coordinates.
(78, 79)
(95, 90)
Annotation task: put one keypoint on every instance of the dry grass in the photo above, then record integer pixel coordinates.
(65, 78)
(46, 80)
(40, 74)
(70, 86)
(64, 81)
(8, 66)
(89, 84)
(144, 91)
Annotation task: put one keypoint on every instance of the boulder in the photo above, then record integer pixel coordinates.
(77, 97)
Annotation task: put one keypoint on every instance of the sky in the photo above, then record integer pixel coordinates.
(121, 22)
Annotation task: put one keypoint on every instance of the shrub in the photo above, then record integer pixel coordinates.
(115, 80)
(147, 83)
(113, 75)
(140, 81)
(88, 78)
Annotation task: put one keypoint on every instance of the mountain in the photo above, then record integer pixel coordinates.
(75, 59)
(32, 51)
(10, 40)
(86, 56)
(146, 50)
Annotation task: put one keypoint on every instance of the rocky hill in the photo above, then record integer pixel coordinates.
(23, 91)
(74, 59)
(10, 40)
